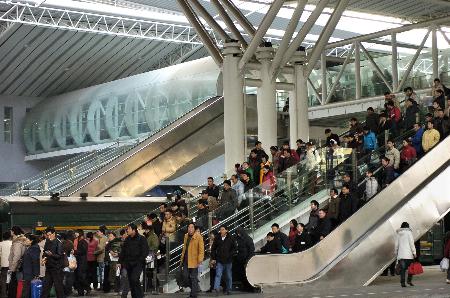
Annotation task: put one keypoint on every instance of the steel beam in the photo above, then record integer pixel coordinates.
(287, 36)
(325, 35)
(323, 75)
(357, 70)
(366, 37)
(394, 61)
(262, 30)
(301, 35)
(376, 68)
(444, 35)
(411, 63)
(241, 19)
(341, 72)
(434, 52)
(315, 91)
(213, 49)
(229, 23)
(210, 20)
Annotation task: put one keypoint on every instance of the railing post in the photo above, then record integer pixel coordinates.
(250, 211)
(354, 166)
(167, 262)
(289, 187)
(210, 225)
(386, 136)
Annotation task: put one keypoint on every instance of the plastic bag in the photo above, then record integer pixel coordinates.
(415, 269)
(444, 264)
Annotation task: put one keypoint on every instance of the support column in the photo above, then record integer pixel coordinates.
(234, 112)
(298, 101)
(394, 62)
(434, 52)
(266, 101)
(357, 71)
(323, 70)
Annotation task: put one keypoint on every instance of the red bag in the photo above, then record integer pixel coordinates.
(415, 268)
(19, 289)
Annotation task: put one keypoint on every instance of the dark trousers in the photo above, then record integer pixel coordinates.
(134, 274)
(53, 278)
(26, 289)
(92, 274)
(69, 278)
(12, 288)
(193, 282)
(124, 284)
(3, 285)
(404, 265)
(448, 273)
(212, 277)
(81, 283)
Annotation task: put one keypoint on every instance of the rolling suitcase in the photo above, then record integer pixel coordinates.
(36, 288)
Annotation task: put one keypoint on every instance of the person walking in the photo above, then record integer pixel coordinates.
(245, 250)
(132, 256)
(447, 253)
(53, 258)
(100, 255)
(192, 256)
(5, 249)
(31, 266)
(222, 254)
(405, 251)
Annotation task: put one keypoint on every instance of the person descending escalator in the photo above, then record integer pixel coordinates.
(323, 227)
(245, 250)
(284, 240)
(272, 246)
(348, 203)
(302, 239)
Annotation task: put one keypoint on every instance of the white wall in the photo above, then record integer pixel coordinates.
(13, 168)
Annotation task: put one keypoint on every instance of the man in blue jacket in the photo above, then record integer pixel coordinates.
(370, 142)
(417, 139)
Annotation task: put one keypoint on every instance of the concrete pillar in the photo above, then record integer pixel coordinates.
(357, 71)
(434, 53)
(266, 101)
(394, 62)
(293, 113)
(298, 109)
(323, 71)
(234, 112)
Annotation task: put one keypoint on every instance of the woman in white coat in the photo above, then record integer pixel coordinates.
(405, 251)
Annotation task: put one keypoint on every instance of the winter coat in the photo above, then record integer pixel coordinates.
(284, 240)
(196, 250)
(157, 226)
(395, 114)
(333, 207)
(285, 163)
(313, 218)
(442, 126)
(5, 249)
(371, 187)
(411, 116)
(429, 139)
(228, 203)
(213, 191)
(404, 245)
(272, 247)
(291, 236)
(55, 260)
(335, 137)
(323, 228)
(134, 250)
(153, 241)
(92, 247)
(417, 141)
(222, 251)
(202, 218)
(268, 182)
(408, 154)
(113, 248)
(18, 248)
(81, 255)
(388, 176)
(100, 251)
(169, 228)
(312, 160)
(301, 242)
(447, 249)
(370, 141)
(372, 121)
(244, 246)
(347, 206)
(31, 262)
(394, 156)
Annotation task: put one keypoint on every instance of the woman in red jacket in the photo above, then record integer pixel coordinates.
(268, 180)
(408, 155)
(447, 253)
(292, 232)
(91, 260)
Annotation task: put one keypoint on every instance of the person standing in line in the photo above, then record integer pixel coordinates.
(371, 186)
(100, 254)
(222, 253)
(92, 260)
(5, 249)
(124, 284)
(245, 250)
(430, 137)
(132, 256)
(192, 256)
(405, 251)
(81, 250)
(18, 248)
(333, 207)
(31, 267)
(53, 258)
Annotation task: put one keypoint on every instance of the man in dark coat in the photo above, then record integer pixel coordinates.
(212, 189)
(411, 113)
(302, 239)
(81, 283)
(372, 119)
(132, 256)
(331, 136)
(272, 246)
(323, 226)
(388, 174)
(313, 216)
(245, 250)
(53, 257)
(222, 252)
(228, 201)
(348, 203)
(284, 239)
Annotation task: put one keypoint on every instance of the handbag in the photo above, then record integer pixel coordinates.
(415, 268)
(398, 268)
(444, 264)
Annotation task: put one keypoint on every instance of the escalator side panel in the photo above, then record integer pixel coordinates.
(320, 258)
(149, 149)
(162, 167)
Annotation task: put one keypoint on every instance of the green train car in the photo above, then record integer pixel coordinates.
(68, 213)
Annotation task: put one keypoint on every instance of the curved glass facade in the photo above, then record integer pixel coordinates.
(122, 109)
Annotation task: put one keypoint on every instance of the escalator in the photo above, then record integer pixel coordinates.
(158, 157)
(358, 250)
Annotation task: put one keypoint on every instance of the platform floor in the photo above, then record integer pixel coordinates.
(430, 284)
